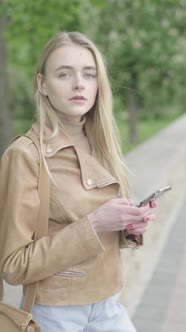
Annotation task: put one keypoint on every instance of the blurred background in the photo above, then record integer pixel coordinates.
(142, 40)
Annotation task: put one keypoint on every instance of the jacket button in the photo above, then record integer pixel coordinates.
(89, 182)
(49, 150)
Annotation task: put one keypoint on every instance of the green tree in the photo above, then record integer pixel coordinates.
(143, 41)
(30, 24)
(5, 122)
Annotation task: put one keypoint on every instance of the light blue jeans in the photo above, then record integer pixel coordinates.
(107, 315)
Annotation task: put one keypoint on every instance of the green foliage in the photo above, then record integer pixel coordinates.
(22, 101)
(145, 37)
(30, 24)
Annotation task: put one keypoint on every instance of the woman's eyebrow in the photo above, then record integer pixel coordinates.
(71, 67)
(64, 67)
(90, 67)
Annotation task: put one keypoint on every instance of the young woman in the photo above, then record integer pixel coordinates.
(91, 215)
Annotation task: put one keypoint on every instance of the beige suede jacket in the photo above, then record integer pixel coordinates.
(73, 264)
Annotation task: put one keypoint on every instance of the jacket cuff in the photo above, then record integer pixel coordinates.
(95, 245)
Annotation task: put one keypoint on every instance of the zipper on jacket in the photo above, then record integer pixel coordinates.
(71, 274)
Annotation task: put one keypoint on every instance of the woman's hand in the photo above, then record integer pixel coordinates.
(119, 214)
(141, 228)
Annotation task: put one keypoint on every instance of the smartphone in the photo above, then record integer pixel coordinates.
(156, 194)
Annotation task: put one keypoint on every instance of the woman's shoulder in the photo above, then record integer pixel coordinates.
(22, 144)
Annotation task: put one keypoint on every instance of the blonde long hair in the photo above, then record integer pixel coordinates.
(100, 125)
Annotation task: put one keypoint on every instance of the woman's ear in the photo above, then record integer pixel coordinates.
(41, 84)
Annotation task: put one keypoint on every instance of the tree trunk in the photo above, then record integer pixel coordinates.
(132, 101)
(5, 121)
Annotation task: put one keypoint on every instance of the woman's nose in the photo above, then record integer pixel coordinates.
(78, 83)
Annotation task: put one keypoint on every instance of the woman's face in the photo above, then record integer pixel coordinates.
(70, 81)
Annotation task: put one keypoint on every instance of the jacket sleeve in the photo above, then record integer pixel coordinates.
(23, 260)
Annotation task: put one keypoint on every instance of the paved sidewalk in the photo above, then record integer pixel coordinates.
(163, 305)
(152, 163)
(158, 162)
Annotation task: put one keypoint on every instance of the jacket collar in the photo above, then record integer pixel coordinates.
(61, 141)
(93, 173)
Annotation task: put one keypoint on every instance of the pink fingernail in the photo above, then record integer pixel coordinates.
(146, 219)
(153, 204)
(130, 226)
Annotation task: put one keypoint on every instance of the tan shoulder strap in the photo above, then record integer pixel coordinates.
(42, 222)
(1, 288)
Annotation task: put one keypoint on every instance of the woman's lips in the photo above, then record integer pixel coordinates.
(78, 98)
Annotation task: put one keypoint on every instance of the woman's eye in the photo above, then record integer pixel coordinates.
(90, 75)
(65, 75)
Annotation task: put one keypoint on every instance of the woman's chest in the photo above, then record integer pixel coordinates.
(80, 185)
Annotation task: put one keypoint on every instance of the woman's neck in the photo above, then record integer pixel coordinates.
(73, 128)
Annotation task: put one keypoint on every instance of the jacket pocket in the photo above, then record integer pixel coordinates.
(71, 274)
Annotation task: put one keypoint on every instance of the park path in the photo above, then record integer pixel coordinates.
(163, 305)
(156, 287)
